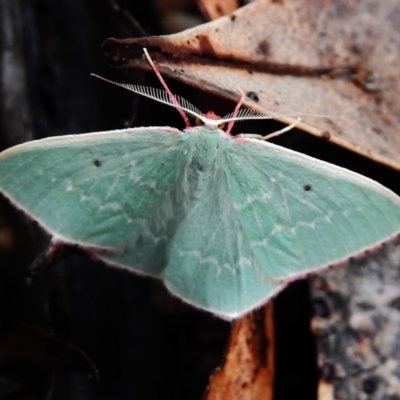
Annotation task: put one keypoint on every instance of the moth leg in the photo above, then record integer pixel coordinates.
(165, 86)
(55, 252)
(236, 110)
(273, 134)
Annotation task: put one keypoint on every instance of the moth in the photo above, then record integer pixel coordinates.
(224, 221)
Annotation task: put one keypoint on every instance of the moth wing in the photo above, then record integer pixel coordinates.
(271, 215)
(95, 189)
(300, 214)
(211, 263)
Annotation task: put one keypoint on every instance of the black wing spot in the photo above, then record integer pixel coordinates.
(97, 162)
(307, 187)
(253, 96)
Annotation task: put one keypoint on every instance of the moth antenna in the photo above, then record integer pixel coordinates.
(165, 86)
(249, 114)
(158, 95)
(163, 96)
(236, 111)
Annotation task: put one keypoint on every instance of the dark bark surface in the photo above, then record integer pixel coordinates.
(357, 326)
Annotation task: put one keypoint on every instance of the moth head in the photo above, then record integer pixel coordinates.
(210, 119)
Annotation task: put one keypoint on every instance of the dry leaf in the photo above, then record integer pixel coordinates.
(248, 370)
(336, 58)
(214, 9)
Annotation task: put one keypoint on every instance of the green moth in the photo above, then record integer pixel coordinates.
(226, 222)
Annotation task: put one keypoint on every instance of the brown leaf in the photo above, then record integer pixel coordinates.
(214, 9)
(336, 58)
(248, 370)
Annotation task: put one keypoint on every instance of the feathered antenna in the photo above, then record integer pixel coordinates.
(185, 108)
(159, 95)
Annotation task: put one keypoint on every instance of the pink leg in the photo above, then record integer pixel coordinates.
(170, 94)
(237, 108)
